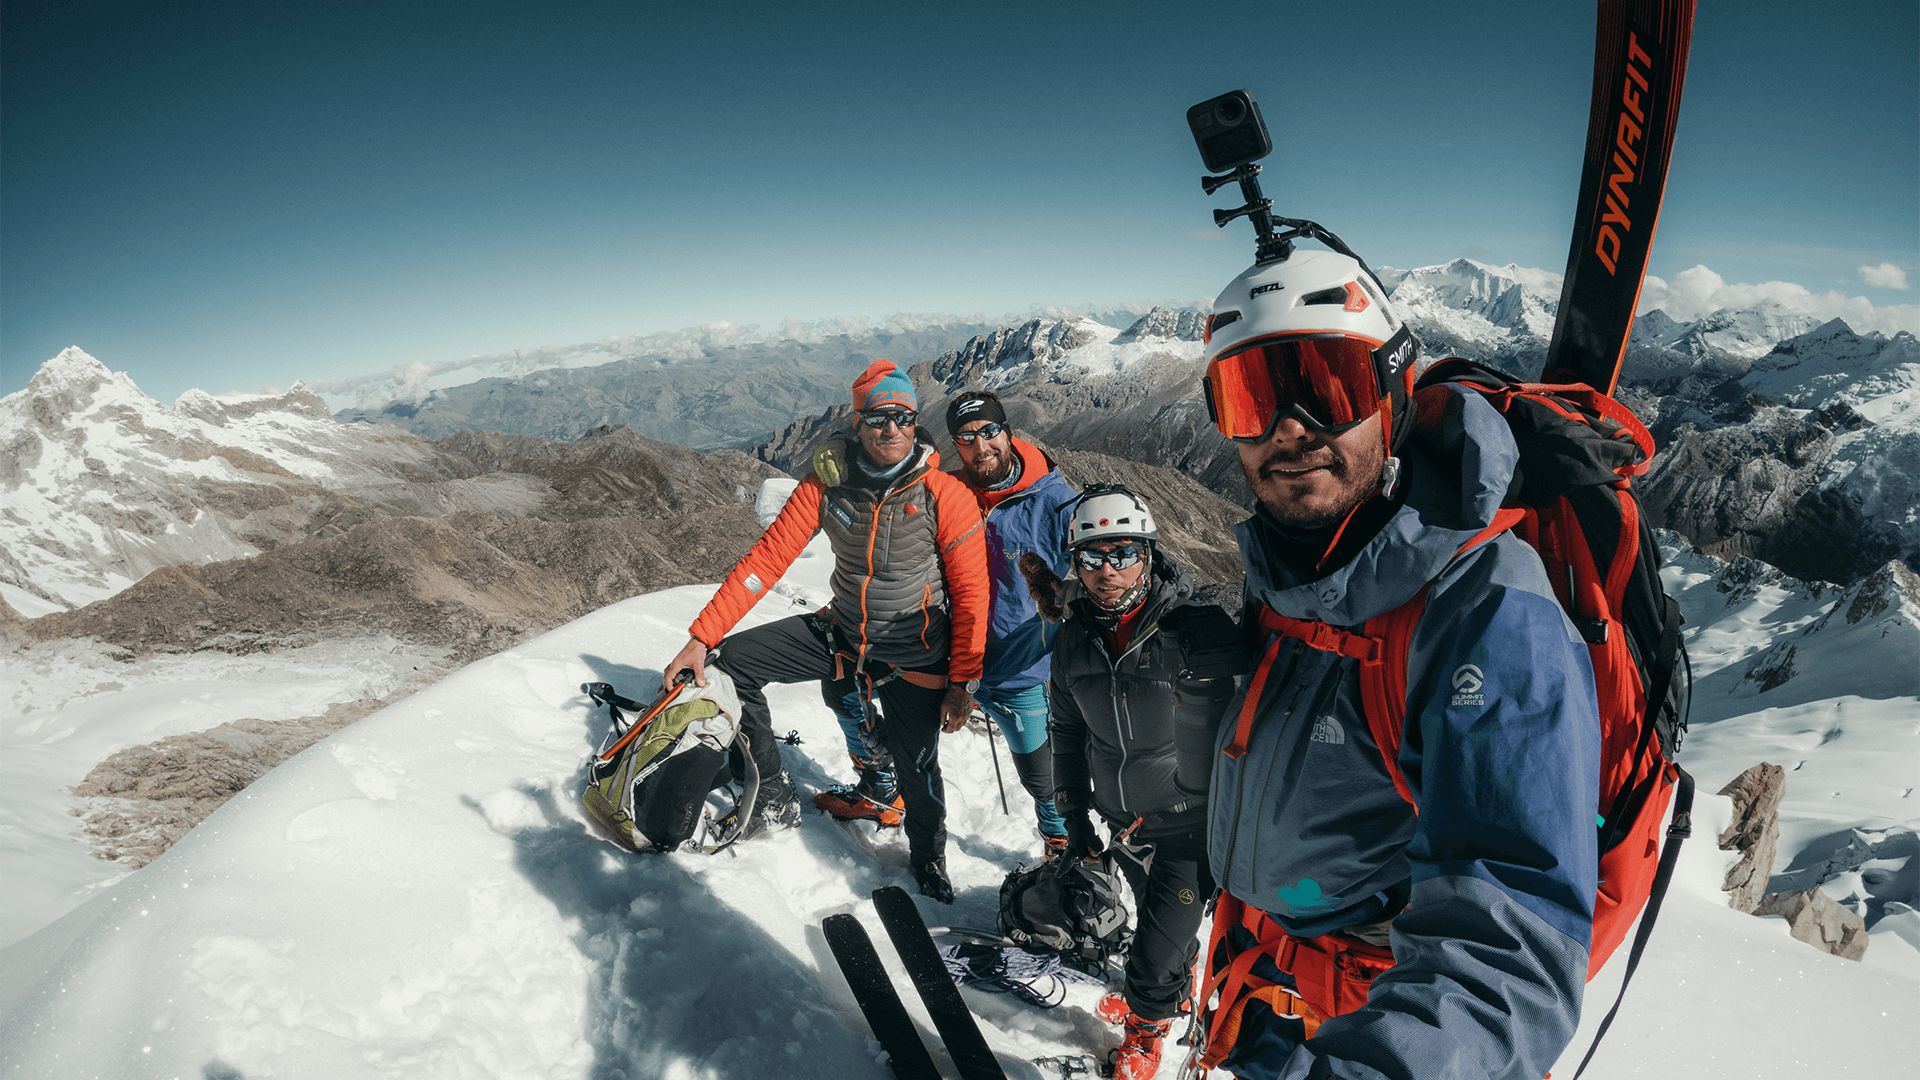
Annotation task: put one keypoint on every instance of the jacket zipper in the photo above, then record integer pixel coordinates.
(1122, 715)
(873, 534)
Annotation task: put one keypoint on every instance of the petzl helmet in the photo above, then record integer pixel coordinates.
(1109, 512)
(1310, 337)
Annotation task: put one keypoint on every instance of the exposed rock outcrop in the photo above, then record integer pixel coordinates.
(1754, 832)
(145, 798)
(1818, 920)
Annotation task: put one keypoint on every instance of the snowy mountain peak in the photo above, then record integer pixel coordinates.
(1165, 324)
(1471, 304)
(102, 484)
(65, 385)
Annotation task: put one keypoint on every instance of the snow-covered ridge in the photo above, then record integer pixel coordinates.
(101, 484)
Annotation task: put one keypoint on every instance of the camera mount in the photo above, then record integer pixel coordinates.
(1270, 245)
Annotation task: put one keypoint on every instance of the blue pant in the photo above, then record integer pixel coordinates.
(1022, 716)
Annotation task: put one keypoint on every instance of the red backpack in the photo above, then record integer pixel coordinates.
(1573, 502)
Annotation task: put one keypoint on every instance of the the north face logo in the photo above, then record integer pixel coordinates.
(1328, 730)
(1468, 681)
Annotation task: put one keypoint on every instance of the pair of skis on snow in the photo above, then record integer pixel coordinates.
(881, 1004)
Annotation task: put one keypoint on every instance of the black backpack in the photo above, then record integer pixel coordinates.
(1067, 906)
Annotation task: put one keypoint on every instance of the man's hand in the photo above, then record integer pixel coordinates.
(692, 657)
(955, 708)
(1043, 585)
(1082, 841)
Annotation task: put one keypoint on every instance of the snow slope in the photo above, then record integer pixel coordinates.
(65, 706)
(416, 897)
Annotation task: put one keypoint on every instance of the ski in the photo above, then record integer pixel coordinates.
(853, 951)
(971, 1055)
(1640, 65)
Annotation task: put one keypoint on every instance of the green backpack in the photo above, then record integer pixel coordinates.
(647, 786)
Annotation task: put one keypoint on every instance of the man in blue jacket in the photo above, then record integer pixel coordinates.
(1021, 493)
(1424, 910)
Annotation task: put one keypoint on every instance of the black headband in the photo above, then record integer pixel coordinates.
(967, 408)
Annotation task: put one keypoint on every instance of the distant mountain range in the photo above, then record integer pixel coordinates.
(717, 391)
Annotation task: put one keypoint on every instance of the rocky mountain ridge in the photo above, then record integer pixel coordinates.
(103, 485)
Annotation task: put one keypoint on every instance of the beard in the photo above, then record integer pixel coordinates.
(1320, 499)
(987, 473)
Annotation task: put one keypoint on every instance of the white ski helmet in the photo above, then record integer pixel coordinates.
(1109, 512)
(1309, 295)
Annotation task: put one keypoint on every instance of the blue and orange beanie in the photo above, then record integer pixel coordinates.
(883, 384)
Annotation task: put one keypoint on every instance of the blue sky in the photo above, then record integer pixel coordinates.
(230, 195)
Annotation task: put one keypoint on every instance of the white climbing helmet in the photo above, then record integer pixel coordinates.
(1311, 336)
(1109, 512)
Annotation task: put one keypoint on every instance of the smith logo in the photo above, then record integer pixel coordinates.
(1398, 358)
(1629, 133)
(1271, 286)
(1468, 681)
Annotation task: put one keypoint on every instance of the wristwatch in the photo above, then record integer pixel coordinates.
(972, 686)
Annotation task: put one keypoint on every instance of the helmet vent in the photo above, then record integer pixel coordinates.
(1335, 295)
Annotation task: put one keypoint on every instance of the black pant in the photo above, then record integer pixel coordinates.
(800, 649)
(1170, 895)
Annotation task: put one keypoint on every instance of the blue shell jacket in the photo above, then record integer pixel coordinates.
(1501, 748)
(1029, 518)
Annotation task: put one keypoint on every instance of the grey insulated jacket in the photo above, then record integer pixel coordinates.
(1129, 732)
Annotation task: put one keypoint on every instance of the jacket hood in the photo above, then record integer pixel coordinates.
(1457, 468)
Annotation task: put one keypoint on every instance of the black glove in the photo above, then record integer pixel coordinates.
(1043, 585)
(1083, 842)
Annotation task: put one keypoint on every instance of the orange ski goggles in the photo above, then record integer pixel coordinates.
(1330, 383)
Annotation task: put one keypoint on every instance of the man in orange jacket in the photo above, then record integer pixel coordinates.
(908, 621)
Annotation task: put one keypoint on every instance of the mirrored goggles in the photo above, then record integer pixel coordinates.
(988, 431)
(1120, 556)
(1330, 383)
(878, 419)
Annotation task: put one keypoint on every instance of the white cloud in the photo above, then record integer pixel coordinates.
(1885, 276)
(1699, 292)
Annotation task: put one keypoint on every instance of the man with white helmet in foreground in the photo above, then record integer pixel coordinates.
(1409, 914)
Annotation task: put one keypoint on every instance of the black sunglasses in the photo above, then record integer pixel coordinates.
(1120, 556)
(880, 418)
(988, 432)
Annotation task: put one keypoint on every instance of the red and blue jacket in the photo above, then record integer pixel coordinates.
(1488, 875)
(1026, 517)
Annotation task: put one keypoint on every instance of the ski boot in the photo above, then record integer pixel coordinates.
(1056, 846)
(931, 876)
(1113, 1007)
(1139, 1057)
(874, 797)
